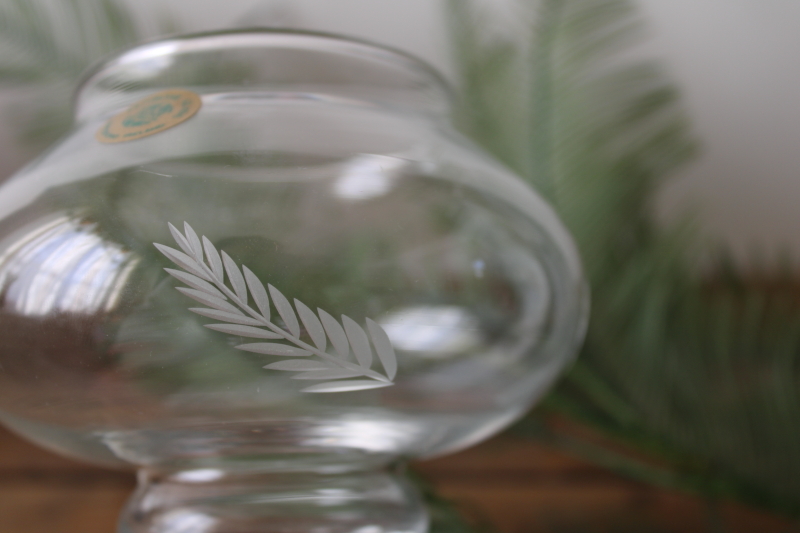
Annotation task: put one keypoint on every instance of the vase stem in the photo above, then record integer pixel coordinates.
(216, 501)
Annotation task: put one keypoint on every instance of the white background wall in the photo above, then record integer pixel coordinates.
(737, 61)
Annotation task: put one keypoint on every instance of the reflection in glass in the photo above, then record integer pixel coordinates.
(185, 521)
(437, 331)
(368, 176)
(63, 267)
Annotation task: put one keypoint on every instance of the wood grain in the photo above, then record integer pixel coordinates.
(518, 486)
(515, 486)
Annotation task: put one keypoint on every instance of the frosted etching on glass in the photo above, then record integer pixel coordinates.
(244, 321)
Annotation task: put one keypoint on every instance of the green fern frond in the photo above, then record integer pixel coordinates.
(47, 44)
(701, 372)
(493, 68)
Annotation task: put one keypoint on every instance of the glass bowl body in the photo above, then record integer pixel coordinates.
(329, 168)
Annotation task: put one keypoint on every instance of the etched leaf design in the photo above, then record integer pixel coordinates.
(229, 305)
(235, 277)
(383, 347)
(180, 239)
(333, 373)
(298, 365)
(335, 333)
(312, 324)
(209, 300)
(195, 282)
(358, 341)
(225, 316)
(183, 261)
(258, 292)
(285, 310)
(346, 386)
(244, 331)
(269, 348)
(214, 260)
(194, 242)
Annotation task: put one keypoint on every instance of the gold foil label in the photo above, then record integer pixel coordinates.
(153, 114)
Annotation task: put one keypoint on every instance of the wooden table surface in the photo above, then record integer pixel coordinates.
(513, 485)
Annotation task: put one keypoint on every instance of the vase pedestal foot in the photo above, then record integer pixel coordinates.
(215, 501)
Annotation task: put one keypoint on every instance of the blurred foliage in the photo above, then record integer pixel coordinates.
(42, 40)
(700, 372)
(46, 45)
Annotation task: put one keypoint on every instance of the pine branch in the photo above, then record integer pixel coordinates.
(706, 370)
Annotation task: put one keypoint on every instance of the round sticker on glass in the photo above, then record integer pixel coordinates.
(151, 115)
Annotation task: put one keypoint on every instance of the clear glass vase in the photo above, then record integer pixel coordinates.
(357, 284)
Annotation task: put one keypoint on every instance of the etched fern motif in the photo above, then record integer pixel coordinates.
(204, 272)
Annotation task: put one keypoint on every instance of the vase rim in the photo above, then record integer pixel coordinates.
(340, 61)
